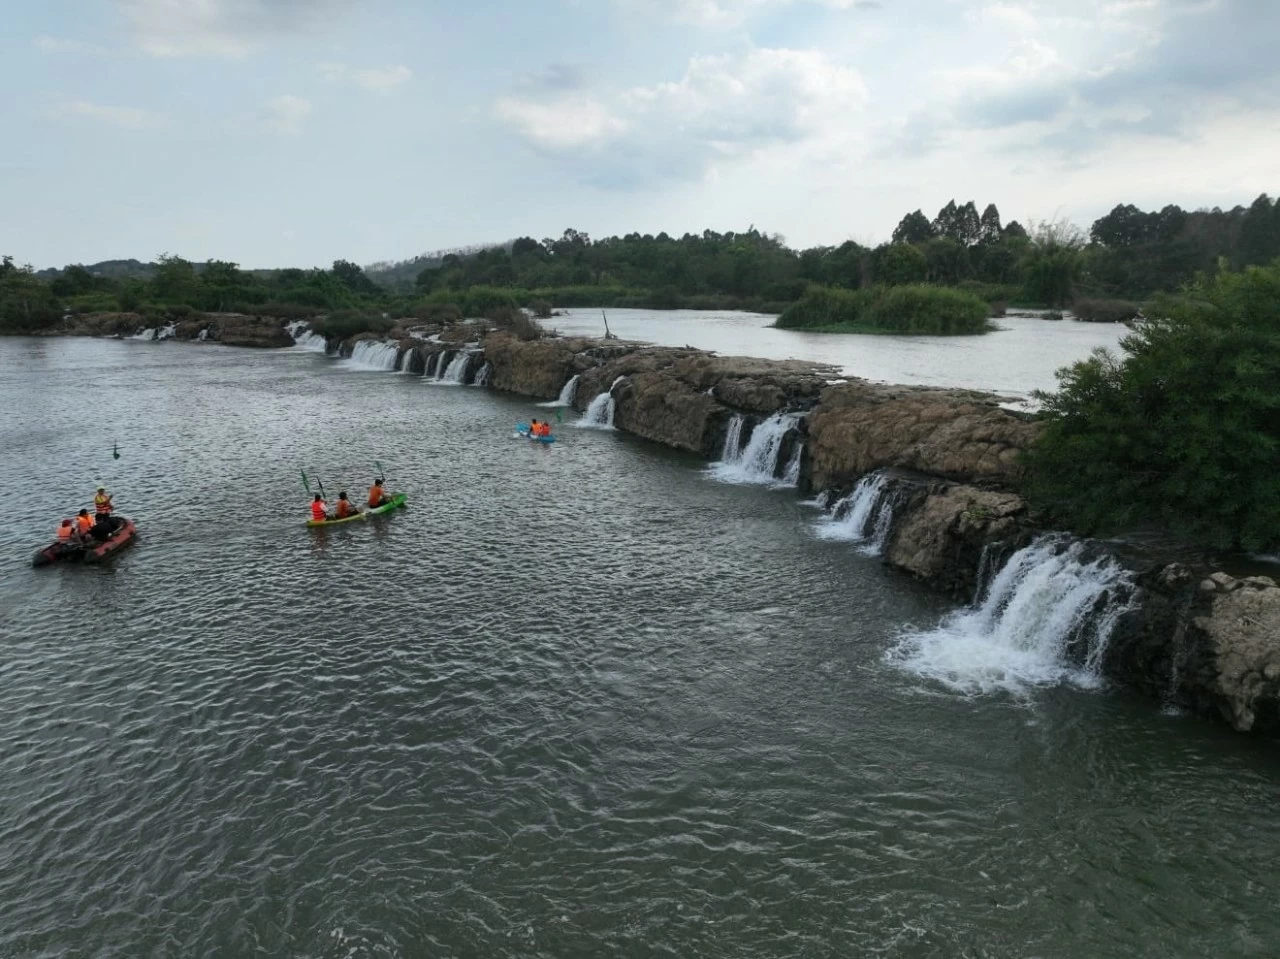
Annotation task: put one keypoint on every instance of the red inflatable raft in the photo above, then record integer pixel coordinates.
(58, 552)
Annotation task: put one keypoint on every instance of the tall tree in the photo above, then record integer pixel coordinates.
(914, 228)
(989, 230)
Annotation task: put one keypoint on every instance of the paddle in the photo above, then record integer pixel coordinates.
(307, 486)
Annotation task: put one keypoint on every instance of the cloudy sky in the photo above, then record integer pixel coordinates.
(292, 132)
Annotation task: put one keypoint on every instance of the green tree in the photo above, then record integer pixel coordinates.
(174, 281)
(1183, 429)
(914, 228)
(894, 264)
(354, 278)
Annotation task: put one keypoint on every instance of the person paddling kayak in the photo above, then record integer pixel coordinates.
(345, 508)
(319, 509)
(377, 496)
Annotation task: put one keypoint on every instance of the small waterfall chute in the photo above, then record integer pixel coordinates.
(567, 392)
(599, 415)
(304, 339)
(757, 462)
(451, 368)
(483, 374)
(148, 334)
(864, 517)
(1047, 618)
(374, 355)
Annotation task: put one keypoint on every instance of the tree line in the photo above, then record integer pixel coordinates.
(1126, 256)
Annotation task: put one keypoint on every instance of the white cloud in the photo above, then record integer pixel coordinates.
(724, 107)
(374, 79)
(222, 28)
(47, 44)
(285, 114)
(127, 118)
(725, 13)
(566, 123)
(1013, 16)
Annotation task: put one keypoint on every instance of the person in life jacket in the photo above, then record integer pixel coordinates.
(102, 503)
(376, 494)
(319, 509)
(345, 509)
(84, 523)
(544, 428)
(67, 535)
(535, 428)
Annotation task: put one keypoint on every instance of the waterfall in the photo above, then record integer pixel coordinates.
(431, 365)
(567, 393)
(758, 462)
(373, 355)
(864, 517)
(455, 374)
(147, 334)
(304, 339)
(442, 362)
(483, 374)
(732, 439)
(1047, 618)
(599, 414)
(791, 475)
(204, 335)
(169, 332)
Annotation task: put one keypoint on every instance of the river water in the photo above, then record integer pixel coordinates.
(1021, 356)
(578, 700)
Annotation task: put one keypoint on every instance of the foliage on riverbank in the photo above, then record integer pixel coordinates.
(919, 309)
(1182, 429)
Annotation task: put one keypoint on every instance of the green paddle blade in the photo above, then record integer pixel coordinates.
(305, 485)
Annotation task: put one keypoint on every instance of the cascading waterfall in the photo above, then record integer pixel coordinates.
(757, 462)
(732, 439)
(1047, 618)
(599, 414)
(374, 355)
(864, 517)
(483, 374)
(169, 332)
(430, 367)
(791, 475)
(567, 392)
(304, 339)
(455, 374)
(442, 364)
(148, 334)
(204, 335)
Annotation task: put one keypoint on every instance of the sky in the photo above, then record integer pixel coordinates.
(295, 132)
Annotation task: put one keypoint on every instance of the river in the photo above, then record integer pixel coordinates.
(1019, 357)
(578, 700)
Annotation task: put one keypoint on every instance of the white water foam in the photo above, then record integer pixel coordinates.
(455, 373)
(147, 334)
(567, 392)
(864, 517)
(304, 339)
(1047, 618)
(599, 415)
(483, 374)
(373, 356)
(169, 332)
(757, 463)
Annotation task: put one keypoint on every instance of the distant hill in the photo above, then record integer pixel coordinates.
(398, 275)
(112, 269)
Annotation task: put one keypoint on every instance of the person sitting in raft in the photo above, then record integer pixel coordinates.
(67, 534)
(377, 497)
(345, 509)
(544, 428)
(84, 524)
(319, 509)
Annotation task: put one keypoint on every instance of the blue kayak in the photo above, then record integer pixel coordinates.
(522, 429)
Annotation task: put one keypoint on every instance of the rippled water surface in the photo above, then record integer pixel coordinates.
(579, 700)
(1018, 358)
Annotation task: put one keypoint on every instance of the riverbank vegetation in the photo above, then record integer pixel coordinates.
(1182, 429)
(1125, 259)
(918, 308)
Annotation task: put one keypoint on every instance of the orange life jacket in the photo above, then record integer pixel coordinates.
(85, 523)
(375, 496)
(102, 503)
(64, 533)
(344, 508)
(545, 429)
(317, 510)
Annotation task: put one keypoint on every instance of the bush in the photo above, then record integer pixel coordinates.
(1182, 430)
(897, 309)
(515, 320)
(347, 323)
(1106, 311)
(541, 309)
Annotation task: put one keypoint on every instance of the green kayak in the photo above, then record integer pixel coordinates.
(395, 502)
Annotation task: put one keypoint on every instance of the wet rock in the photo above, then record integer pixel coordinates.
(941, 538)
(1242, 628)
(859, 427)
